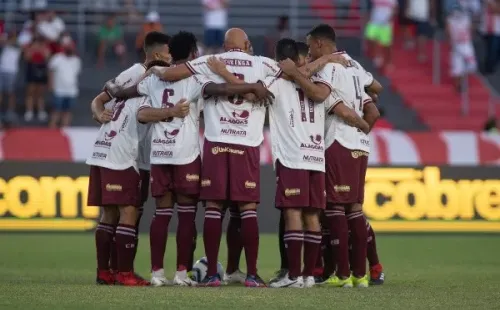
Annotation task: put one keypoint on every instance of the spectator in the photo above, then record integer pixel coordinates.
(379, 31)
(422, 13)
(215, 22)
(9, 67)
(490, 29)
(30, 28)
(64, 70)
(110, 35)
(28, 5)
(491, 125)
(281, 31)
(152, 23)
(51, 28)
(463, 58)
(36, 55)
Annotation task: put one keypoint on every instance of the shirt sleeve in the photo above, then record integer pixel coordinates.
(326, 76)
(145, 86)
(270, 67)
(53, 62)
(196, 87)
(366, 99)
(199, 65)
(145, 103)
(365, 76)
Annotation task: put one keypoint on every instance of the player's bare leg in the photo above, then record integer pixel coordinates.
(186, 228)
(158, 234)
(312, 244)
(377, 275)
(294, 239)
(125, 243)
(212, 234)
(340, 247)
(104, 235)
(250, 241)
(234, 248)
(359, 239)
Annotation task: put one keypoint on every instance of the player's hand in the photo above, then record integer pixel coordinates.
(374, 96)
(156, 70)
(262, 94)
(180, 109)
(216, 65)
(288, 67)
(111, 87)
(339, 59)
(105, 116)
(250, 97)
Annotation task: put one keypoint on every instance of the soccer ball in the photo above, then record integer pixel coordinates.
(200, 269)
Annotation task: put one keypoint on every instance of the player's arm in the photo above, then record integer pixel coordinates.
(148, 114)
(227, 89)
(172, 73)
(99, 113)
(374, 88)
(315, 66)
(124, 93)
(350, 117)
(317, 92)
(219, 67)
(370, 113)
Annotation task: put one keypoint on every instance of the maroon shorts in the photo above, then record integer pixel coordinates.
(230, 172)
(144, 186)
(298, 188)
(178, 179)
(109, 187)
(345, 174)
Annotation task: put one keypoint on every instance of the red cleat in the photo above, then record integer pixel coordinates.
(105, 277)
(129, 279)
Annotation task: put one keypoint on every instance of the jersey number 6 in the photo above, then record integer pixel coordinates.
(165, 103)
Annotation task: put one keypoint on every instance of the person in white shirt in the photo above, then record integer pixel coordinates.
(422, 13)
(9, 68)
(155, 49)
(215, 22)
(64, 69)
(490, 29)
(51, 27)
(463, 57)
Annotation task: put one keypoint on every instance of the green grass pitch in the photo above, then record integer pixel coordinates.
(56, 271)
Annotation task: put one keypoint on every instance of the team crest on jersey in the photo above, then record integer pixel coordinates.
(171, 134)
(110, 135)
(315, 144)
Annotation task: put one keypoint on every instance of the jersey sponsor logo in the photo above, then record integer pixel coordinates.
(170, 135)
(217, 149)
(357, 154)
(237, 62)
(342, 188)
(250, 184)
(102, 143)
(99, 155)
(315, 144)
(291, 119)
(114, 187)
(313, 159)
(206, 183)
(270, 67)
(192, 177)
(110, 135)
(364, 141)
(167, 154)
(233, 132)
(125, 123)
(292, 192)
(239, 118)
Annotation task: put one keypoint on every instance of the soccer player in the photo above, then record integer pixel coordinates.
(346, 161)
(175, 155)
(156, 48)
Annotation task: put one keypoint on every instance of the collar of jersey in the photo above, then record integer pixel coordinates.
(236, 50)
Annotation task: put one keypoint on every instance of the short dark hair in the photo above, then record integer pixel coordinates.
(302, 48)
(157, 63)
(182, 45)
(155, 38)
(286, 48)
(323, 31)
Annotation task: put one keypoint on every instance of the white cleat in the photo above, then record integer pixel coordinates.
(309, 282)
(158, 278)
(287, 282)
(181, 278)
(235, 277)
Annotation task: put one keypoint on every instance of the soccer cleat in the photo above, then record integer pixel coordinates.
(278, 275)
(182, 279)
(235, 277)
(213, 281)
(360, 282)
(254, 281)
(297, 282)
(338, 282)
(158, 278)
(309, 282)
(105, 277)
(377, 275)
(320, 279)
(129, 279)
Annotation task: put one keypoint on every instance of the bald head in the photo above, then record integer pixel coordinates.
(236, 38)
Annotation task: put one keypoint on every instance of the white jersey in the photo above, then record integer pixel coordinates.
(346, 87)
(174, 141)
(490, 21)
(232, 119)
(382, 11)
(117, 144)
(459, 25)
(297, 127)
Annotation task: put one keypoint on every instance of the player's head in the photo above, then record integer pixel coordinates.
(156, 46)
(157, 63)
(286, 48)
(321, 41)
(236, 38)
(303, 50)
(183, 47)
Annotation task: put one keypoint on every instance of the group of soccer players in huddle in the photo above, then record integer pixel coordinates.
(321, 107)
